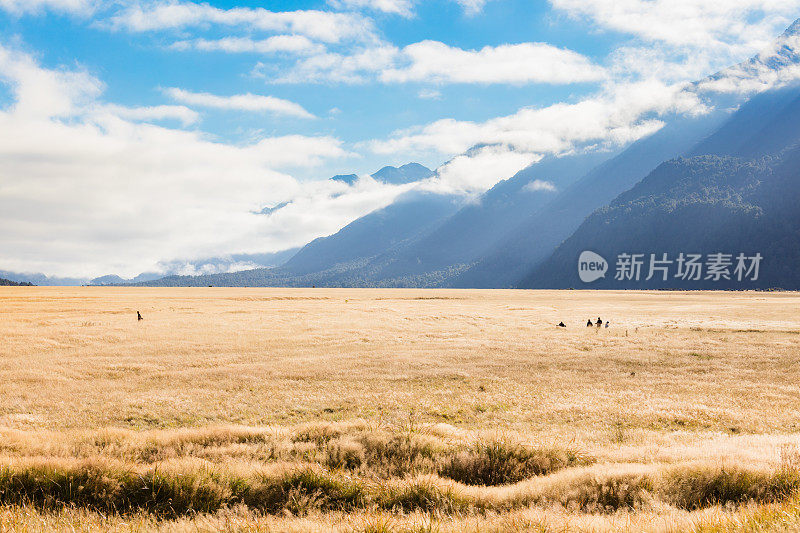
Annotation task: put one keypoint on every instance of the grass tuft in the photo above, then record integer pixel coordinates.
(501, 463)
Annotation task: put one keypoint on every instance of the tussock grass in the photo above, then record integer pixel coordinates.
(181, 488)
(703, 486)
(486, 462)
(108, 487)
(503, 462)
(423, 494)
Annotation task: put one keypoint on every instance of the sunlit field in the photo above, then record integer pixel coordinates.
(398, 410)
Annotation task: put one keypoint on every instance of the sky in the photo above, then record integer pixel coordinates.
(140, 135)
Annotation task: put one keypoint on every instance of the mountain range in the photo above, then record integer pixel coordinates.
(737, 192)
(723, 182)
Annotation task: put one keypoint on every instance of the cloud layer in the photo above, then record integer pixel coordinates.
(87, 189)
(239, 102)
(434, 62)
(324, 26)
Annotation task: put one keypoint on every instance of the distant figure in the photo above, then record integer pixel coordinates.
(139, 316)
(607, 323)
(589, 323)
(599, 322)
(562, 325)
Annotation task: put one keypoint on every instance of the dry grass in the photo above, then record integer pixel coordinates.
(398, 410)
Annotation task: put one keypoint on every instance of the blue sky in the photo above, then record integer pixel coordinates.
(136, 66)
(145, 133)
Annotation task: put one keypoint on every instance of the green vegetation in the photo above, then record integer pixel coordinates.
(8, 283)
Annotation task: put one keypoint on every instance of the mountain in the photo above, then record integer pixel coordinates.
(515, 257)
(410, 215)
(501, 237)
(277, 207)
(765, 124)
(329, 258)
(347, 258)
(534, 239)
(424, 238)
(211, 265)
(40, 279)
(737, 192)
(111, 279)
(699, 205)
(408, 173)
(8, 283)
(349, 179)
(463, 237)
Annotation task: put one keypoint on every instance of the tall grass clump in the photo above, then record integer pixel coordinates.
(304, 490)
(384, 455)
(501, 463)
(111, 488)
(698, 487)
(421, 494)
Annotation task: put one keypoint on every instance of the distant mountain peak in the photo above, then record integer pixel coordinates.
(777, 65)
(270, 210)
(794, 29)
(349, 179)
(408, 173)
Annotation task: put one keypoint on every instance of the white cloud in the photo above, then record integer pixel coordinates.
(774, 66)
(297, 44)
(45, 93)
(646, 85)
(84, 191)
(403, 8)
(153, 113)
(429, 94)
(696, 23)
(617, 117)
(541, 185)
(319, 25)
(472, 7)
(357, 67)
(239, 102)
(481, 168)
(19, 7)
(686, 40)
(436, 62)
(433, 61)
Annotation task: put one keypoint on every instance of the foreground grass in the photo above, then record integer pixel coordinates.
(325, 469)
(326, 410)
(771, 518)
(177, 490)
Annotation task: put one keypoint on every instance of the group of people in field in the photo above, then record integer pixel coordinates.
(591, 324)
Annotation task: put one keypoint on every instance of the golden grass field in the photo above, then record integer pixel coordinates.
(398, 410)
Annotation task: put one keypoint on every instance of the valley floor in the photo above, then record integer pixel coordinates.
(407, 410)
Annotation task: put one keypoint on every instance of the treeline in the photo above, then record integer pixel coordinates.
(8, 283)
